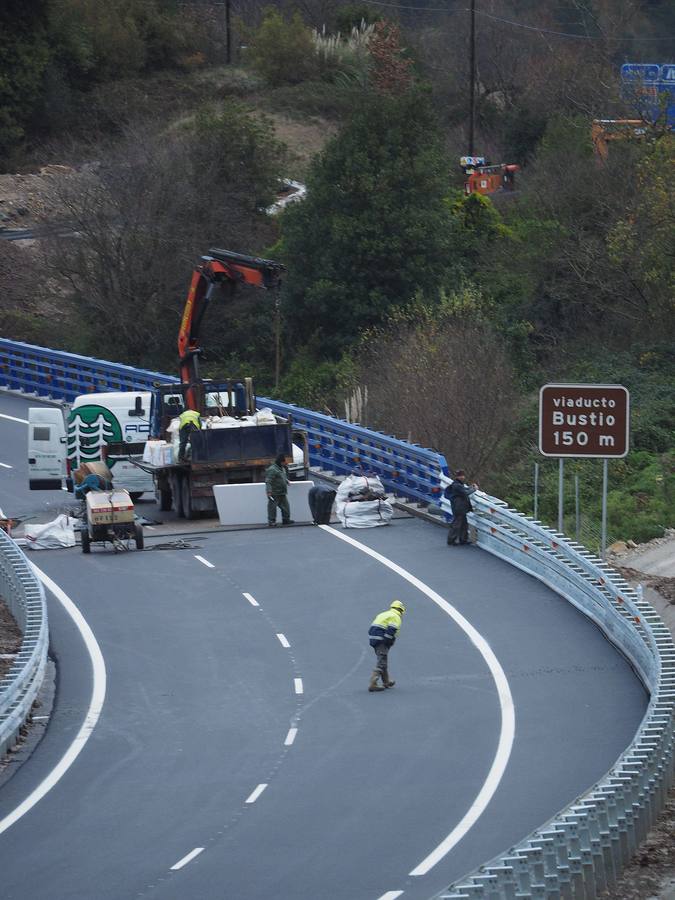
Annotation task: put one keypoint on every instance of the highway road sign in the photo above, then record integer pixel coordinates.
(652, 87)
(584, 420)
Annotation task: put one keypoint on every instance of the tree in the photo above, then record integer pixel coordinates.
(24, 55)
(144, 220)
(443, 380)
(373, 230)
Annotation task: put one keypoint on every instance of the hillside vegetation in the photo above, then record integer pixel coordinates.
(429, 313)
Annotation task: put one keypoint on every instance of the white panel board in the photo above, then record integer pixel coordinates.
(246, 504)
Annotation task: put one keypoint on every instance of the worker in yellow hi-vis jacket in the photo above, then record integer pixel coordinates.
(382, 634)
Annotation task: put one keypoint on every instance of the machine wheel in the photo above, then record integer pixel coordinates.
(135, 495)
(186, 497)
(138, 535)
(86, 541)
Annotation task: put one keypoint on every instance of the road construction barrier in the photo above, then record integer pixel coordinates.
(23, 595)
(582, 850)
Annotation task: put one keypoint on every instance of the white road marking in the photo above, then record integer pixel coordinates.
(508, 718)
(256, 793)
(186, 859)
(283, 641)
(204, 561)
(290, 737)
(251, 599)
(390, 895)
(14, 419)
(6, 466)
(298, 685)
(93, 712)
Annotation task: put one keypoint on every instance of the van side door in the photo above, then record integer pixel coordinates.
(46, 448)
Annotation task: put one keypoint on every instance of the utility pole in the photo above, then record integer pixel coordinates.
(472, 75)
(228, 34)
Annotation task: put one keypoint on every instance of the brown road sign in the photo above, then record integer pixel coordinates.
(590, 420)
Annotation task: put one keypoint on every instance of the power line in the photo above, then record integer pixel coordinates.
(537, 28)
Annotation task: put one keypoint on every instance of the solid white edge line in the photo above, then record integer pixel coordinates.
(256, 793)
(14, 419)
(93, 712)
(283, 640)
(290, 737)
(251, 599)
(186, 859)
(298, 685)
(204, 561)
(508, 718)
(390, 895)
(6, 466)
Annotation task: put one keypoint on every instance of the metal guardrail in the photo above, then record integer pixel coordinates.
(22, 592)
(581, 850)
(405, 469)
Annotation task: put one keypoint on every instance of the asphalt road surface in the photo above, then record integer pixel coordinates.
(237, 754)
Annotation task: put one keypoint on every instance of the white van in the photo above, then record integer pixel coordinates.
(116, 425)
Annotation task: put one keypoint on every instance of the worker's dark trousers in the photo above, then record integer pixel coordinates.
(459, 530)
(382, 654)
(280, 500)
(184, 436)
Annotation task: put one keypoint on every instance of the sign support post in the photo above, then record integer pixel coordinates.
(536, 491)
(561, 523)
(603, 531)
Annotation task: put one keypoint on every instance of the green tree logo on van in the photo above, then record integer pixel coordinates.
(89, 427)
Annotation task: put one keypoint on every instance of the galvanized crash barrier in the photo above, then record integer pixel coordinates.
(23, 594)
(582, 850)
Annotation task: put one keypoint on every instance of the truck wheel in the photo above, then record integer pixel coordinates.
(135, 495)
(186, 496)
(86, 541)
(138, 534)
(164, 499)
(177, 494)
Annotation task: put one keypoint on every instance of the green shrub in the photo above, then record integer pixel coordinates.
(282, 51)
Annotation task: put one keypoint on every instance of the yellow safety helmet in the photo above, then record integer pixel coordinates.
(396, 604)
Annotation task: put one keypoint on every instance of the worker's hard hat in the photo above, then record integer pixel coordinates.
(396, 604)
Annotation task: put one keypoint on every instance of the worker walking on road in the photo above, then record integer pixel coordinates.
(383, 633)
(189, 421)
(276, 485)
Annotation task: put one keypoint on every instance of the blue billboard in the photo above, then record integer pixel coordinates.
(650, 87)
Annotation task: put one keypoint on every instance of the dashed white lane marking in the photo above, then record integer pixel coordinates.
(298, 685)
(251, 599)
(204, 562)
(256, 793)
(186, 859)
(283, 641)
(390, 895)
(290, 737)
(93, 713)
(14, 419)
(508, 718)
(6, 466)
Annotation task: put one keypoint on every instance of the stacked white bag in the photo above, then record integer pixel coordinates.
(354, 512)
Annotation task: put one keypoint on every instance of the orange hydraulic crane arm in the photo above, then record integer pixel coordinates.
(215, 268)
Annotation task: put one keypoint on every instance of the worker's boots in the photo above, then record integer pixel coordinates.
(374, 686)
(386, 681)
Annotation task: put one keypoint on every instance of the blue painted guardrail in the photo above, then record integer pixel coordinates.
(581, 851)
(407, 470)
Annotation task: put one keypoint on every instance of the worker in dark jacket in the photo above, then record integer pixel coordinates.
(276, 485)
(458, 494)
(189, 421)
(382, 634)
